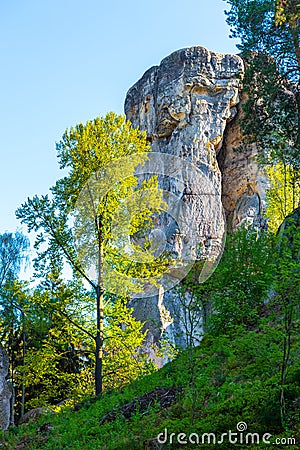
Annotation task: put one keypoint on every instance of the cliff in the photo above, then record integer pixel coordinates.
(189, 106)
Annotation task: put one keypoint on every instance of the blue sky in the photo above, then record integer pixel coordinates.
(68, 61)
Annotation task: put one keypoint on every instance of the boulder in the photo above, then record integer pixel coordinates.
(33, 415)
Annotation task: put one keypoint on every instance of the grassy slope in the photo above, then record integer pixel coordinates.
(234, 379)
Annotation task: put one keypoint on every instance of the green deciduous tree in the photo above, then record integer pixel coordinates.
(60, 354)
(83, 221)
(234, 295)
(123, 342)
(283, 195)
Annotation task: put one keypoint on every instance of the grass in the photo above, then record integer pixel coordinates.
(226, 380)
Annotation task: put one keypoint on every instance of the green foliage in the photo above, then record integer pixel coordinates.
(235, 293)
(13, 253)
(14, 250)
(50, 376)
(71, 228)
(283, 194)
(288, 11)
(92, 213)
(62, 355)
(57, 327)
(269, 34)
(236, 380)
(287, 289)
(123, 343)
(256, 23)
(246, 368)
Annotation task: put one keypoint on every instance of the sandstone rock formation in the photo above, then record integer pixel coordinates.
(5, 391)
(184, 105)
(244, 183)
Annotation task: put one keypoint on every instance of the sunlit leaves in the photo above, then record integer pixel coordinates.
(283, 194)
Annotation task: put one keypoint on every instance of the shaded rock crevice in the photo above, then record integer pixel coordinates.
(244, 182)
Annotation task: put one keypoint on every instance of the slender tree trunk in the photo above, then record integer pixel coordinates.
(12, 407)
(12, 414)
(100, 319)
(99, 343)
(23, 364)
(12, 351)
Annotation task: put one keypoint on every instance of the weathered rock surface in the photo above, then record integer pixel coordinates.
(244, 183)
(184, 105)
(34, 414)
(5, 391)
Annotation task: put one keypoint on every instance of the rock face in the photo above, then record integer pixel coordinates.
(244, 183)
(5, 391)
(184, 105)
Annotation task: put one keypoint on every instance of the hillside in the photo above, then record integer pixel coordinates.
(220, 383)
